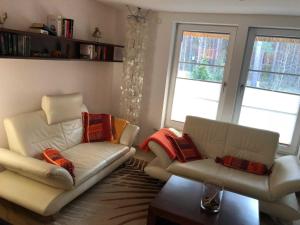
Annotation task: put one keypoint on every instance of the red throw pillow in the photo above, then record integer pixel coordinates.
(244, 165)
(185, 148)
(53, 156)
(97, 127)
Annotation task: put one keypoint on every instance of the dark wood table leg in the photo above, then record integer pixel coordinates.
(152, 219)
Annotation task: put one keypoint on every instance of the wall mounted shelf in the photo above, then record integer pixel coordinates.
(16, 44)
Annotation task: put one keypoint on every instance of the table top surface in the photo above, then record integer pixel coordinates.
(180, 199)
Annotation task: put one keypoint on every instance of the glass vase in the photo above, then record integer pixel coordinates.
(211, 198)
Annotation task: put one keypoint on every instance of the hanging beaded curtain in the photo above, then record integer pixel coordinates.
(133, 67)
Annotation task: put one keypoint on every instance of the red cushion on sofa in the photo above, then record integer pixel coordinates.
(185, 148)
(244, 165)
(97, 127)
(53, 156)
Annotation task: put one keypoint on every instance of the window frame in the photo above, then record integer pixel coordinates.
(180, 28)
(269, 32)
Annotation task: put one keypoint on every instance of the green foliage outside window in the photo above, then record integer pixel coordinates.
(207, 73)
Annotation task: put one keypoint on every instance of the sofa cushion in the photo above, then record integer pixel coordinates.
(90, 158)
(119, 126)
(217, 139)
(60, 108)
(238, 181)
(245, 183)
(251, 144)
(202, 170)
(97, 127)
(185, 148)
(208, 135)
(53, 156)
(29, 133)
(244, 165)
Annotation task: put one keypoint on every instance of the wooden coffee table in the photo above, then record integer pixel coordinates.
(179, 202)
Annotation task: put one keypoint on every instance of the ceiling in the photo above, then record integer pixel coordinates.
(277, 7)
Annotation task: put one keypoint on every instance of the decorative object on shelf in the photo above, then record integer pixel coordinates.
(55, 24)
(3, 18)
(56, 53)
(97, 34)
(133, 67)
(211, 198)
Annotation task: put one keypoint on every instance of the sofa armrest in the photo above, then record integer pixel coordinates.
(35, 169)
(129, 134)
(161, 154)
(285, 176)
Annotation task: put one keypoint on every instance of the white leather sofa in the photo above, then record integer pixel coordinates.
(45, 188)
(275, 192)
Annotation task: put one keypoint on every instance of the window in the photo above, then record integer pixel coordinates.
(200, 71)
(265, 96)
(270, 84)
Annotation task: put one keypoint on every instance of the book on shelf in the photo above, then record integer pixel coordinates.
(118, 54)
(41, 29)
(104, 56)
(38, 30)
(38, 25)
(98, 51)
(67, 28)
(14, 44)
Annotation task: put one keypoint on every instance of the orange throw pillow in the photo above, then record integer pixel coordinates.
(119, 126)
(53, 156)
(244, 165)
(96, 127)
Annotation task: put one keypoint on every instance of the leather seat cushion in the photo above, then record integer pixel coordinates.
(90, 158)
(202, 170)
(238, 181)
(252, 185)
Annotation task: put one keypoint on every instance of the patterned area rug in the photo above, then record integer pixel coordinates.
(120, 199)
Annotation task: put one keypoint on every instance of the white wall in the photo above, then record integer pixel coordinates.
(23, 82)
(156, 77)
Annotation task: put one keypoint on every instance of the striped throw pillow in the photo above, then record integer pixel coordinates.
(185, 148)
(53, 156)
(244, 165)
(97, 127)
